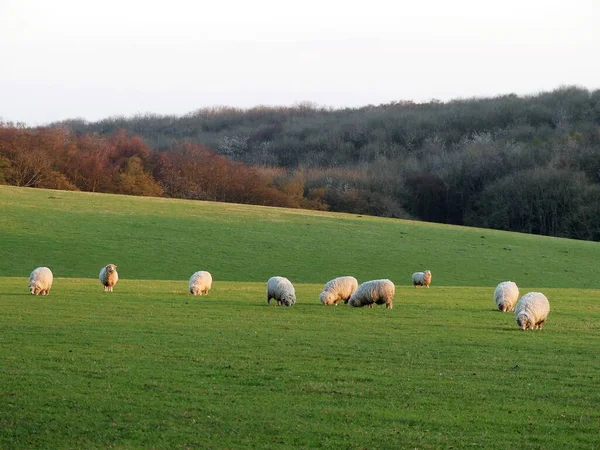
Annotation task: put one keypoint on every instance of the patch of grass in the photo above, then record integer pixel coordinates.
(76, 233)
(152, 366)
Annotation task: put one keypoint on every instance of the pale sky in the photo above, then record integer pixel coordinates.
(65, 59)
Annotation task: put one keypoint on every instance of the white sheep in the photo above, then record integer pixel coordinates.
(40, 281)
(109, 277)
(200, 283)
(375, 291)
(338, 289)
(421, 278)
(506, 296)
(282, 290)
(532, 311)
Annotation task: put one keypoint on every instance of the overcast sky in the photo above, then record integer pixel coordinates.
(94, 59)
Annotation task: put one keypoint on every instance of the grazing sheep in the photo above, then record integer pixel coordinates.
(40, 281)
(421, 278)
(109, 277)
(200, 283)
(375, 291)
(340, 288)
(282, 290)
(506, 296)
(532, 311)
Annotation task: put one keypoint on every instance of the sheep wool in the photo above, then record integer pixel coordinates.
(374, 292)
(200, 283)
(338, 289)
(40, 281)
(109, 277)
(282, 290)
(506, 296)
(421, 278)
(532, 311)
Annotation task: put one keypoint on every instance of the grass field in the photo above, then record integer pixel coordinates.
(152, 238)
(150, 366)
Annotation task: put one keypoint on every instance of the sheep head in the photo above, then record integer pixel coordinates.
(326, 298)
(289, 300)
(524, 321)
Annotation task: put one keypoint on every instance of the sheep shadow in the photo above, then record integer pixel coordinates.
(297, 305)
(22, 294)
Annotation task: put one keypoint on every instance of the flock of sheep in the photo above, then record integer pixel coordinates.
(531, 310)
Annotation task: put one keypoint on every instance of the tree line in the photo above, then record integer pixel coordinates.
(121, 163)
(519, 163)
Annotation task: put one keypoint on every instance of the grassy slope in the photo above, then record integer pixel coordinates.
(149, 238)
(150, 366)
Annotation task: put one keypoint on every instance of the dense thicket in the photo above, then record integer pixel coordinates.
(528, 164)
(121, 163)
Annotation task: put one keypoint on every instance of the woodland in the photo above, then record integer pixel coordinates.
(521, 163)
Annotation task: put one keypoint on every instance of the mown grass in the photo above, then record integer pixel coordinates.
(150, 366)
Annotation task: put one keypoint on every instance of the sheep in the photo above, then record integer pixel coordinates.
(109, 277)
(282, 290)
(506, 296)
(200, 283)
(532, 311)
(340, 288)
(40, 281)
(421, 278)
(375, 291)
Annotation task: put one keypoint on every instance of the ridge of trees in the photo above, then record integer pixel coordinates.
(56, 158)
(529, 164)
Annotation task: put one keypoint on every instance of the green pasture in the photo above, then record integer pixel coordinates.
(76, 233)
(150, 366)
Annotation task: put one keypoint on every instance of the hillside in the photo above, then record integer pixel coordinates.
(77, 233)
